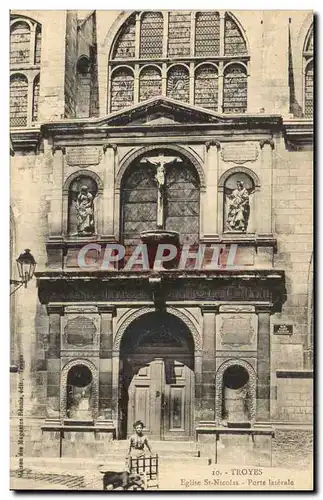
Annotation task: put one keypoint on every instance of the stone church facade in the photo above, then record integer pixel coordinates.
(220, 106)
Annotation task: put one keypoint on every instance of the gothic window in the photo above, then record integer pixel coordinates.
(235, 89)
(308, 74)
(139, 203)
(239, 189)
(20, 43)
(207, 34)
(35, 99)
(142, 201)
(18, 100)
(179, 34)
(234, 43)
(25, 56)
(122, 87)
(183, 40)
(150, 83)
(178, 83)
(151, 35)
(206, 87)
(81, 198)
(125, 45)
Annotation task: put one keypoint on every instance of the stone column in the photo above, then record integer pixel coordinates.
(264, 197)
(53, 359)
(263, 364)
(110, 151)
(208, 363)
(210, 209)
(56, 228)
(105, 376)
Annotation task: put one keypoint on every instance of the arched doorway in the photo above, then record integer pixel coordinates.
(157, 377)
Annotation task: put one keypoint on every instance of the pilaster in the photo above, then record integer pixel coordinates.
(263, 364)
(110, 152)
(210, 210)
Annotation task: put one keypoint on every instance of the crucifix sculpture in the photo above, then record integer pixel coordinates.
(160, 163)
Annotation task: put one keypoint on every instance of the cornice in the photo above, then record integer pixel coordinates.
(25, 138)
(299, 131)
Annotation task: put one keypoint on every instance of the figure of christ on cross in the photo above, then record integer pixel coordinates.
(160, 163)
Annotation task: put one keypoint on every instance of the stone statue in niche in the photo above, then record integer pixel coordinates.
(85, 212)
(238, 209)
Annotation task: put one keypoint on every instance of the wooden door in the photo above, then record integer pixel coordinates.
(178, 401)
(145, 397)
(161, 395)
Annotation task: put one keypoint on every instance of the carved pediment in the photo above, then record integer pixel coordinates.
(162, 111)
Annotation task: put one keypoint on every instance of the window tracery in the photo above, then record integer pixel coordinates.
(25, 58)
(177, 42)
(308, 74)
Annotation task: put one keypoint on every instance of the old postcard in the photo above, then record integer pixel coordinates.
(161, 244)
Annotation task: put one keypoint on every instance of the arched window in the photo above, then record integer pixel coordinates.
(18, 100)
(35, 99)
(20, 43)
(125, 43)
(151, 35)
(25, 57)
(81, 206)
(178, 83)
(235, 89)
(308, 54)
(234, 43)
(238, 214)
(150, 83)
(38, 45)
(206, 87)
(173, 36)
(122, 86)
(145, 208)
(83, 72)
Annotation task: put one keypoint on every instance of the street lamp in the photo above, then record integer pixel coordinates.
(26, 267)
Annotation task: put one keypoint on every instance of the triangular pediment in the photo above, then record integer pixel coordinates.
(161, 111)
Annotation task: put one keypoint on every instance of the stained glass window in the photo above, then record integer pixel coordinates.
(182, 202)
(179, 34)
(37, 45)
(310, 42)
(150, 83)
(139, 203)
(125, 45)
(122, 88)
(18, 101)
(178, 83)
(191, 38)
(309, 72)
(20, 43)
(35, 99)
(234, 43)
(207, 34)
(151, 36)
(235, 89)
(206, 87)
